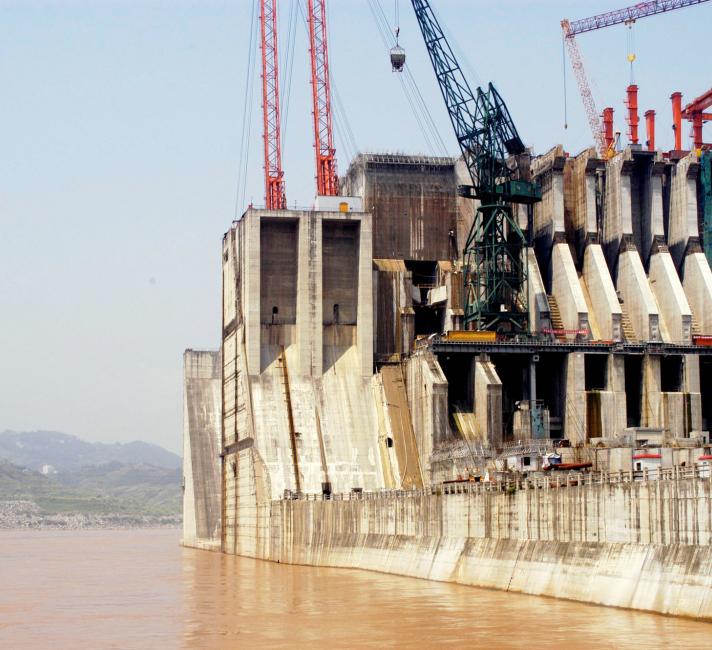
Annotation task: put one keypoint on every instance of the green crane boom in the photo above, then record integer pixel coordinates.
(494, 257)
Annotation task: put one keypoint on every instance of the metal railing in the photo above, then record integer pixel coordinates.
(511, 485)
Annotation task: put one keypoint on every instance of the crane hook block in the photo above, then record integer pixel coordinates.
(397, 58)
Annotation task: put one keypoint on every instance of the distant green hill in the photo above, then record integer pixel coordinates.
(107, 489)
(65, 452)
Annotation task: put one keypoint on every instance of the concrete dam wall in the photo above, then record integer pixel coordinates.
(641, 545)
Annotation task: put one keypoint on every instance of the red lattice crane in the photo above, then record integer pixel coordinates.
(275, 197)
(327, 180)
(625, 15)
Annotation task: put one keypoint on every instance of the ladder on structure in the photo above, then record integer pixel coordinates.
(282, 365)
(557, 324)
(627, 327)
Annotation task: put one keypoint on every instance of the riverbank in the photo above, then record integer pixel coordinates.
(23, 514)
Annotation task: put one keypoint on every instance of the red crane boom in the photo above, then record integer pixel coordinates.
(627, 15)
(327, 180)
(275, 198)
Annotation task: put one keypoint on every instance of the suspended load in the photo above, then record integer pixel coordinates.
(397, 55)
(397, 58)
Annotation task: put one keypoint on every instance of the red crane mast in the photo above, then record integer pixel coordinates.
(327, 180)
(275, 198)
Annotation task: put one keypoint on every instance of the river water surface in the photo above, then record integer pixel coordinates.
(123, 589)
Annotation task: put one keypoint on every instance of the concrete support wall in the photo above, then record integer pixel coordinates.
(644, 545)
(697, 284)
(487, 400)
(618, 221)
(566, 288)
(676, 317)
(427, 396)
(575, 409)
(603, 299)
(539, 312)
(638, 299)
(682, 223)
(201, 447)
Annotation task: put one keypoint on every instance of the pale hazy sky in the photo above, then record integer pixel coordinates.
(120, 130)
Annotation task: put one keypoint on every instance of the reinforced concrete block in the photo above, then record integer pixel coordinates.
(575, 413)
(650, 395)
(604, 301)
(487, 388)
(566, 288)
(683, 206)
(674, 310)
(539, 312)
(618, 220)
(201, 445)
(638, 299)
(697, 283)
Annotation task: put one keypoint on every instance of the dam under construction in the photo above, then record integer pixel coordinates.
(492, 369)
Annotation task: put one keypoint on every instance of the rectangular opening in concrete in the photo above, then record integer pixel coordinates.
(595, 368)
(551, 389)
(428, 318)
(513, 371)
(340, 267)
(278, 271)
(633, 368)
(706, 389)
(457, 369)
(671, 374)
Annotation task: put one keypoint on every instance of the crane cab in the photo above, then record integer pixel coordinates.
(397, 58)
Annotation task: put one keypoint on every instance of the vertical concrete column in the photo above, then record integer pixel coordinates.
(650, 395)
(309, 290)
(566, 287)
(615, 383)
(251, 306)
(652, 228)
(575, 412)
(487, 400)
(364, 315)
(618, 221)
(683, 206)
(539, 311)
(692, 386)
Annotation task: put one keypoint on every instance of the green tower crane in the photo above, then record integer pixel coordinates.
(495, 254)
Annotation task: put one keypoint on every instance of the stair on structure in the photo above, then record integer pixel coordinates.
(556, 323)
(627, 327)
(695, 327)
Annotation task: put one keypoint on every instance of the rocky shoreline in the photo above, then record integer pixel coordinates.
(28, 515)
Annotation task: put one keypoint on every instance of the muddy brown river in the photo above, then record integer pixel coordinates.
(139, 589)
